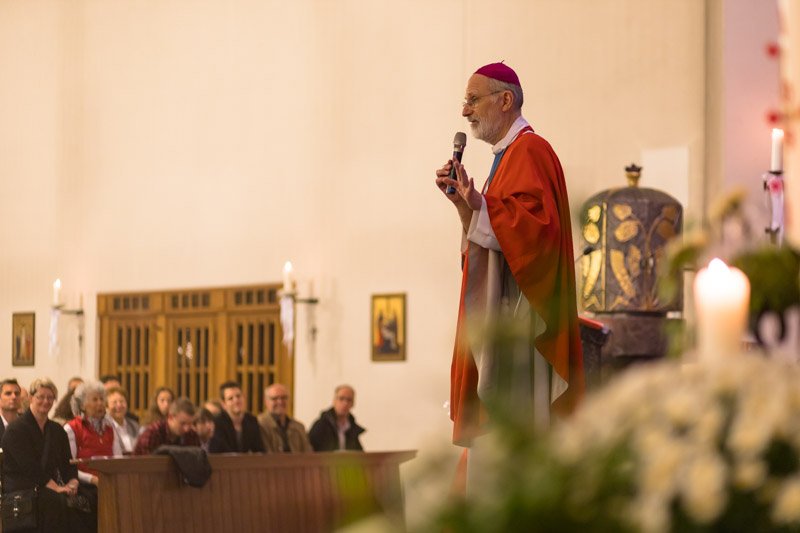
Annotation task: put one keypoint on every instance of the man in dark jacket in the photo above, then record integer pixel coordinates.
(235, 430)
(9, 403)
(336, 429)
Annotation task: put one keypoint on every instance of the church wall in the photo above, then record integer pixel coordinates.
(178, 144)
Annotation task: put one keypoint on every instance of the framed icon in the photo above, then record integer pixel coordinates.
(389, 334)
(23, 339)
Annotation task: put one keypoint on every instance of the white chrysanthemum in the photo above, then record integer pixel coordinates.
(682, 406)
(786, 509)
(749, 474)
(708, 426)
(651, 514)
(703, 487)
(659, 460)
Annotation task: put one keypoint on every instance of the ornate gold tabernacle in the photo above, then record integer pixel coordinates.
(624, 232)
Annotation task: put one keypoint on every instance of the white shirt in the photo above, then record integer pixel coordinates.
(480, 228)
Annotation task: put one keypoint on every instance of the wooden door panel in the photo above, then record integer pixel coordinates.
(132, 354)
(191, 352)
(192, 340)
(256, 344)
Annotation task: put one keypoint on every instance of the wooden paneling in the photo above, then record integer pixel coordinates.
(192, 340)
(250, 493)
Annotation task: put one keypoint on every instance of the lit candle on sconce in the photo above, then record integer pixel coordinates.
(288, 281)
(722, 298)
(57, 292)
(776, 159)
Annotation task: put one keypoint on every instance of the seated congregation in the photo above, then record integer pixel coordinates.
(43, 457)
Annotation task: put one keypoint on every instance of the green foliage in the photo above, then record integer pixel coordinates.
(774, 278)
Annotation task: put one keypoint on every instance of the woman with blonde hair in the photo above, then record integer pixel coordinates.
(36, 456)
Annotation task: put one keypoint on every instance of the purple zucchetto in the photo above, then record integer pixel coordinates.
(500, 72)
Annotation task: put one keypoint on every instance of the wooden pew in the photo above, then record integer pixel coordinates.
(312, 492)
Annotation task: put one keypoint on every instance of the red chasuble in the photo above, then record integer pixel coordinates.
(529, 213)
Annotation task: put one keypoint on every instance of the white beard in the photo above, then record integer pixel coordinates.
(484, 130)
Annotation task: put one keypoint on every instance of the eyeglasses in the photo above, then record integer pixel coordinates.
(472, 101)
(44, 397)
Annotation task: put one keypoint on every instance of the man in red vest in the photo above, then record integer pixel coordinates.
(517, 265)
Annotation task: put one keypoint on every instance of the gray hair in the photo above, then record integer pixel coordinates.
(516, 90)
(82, 391)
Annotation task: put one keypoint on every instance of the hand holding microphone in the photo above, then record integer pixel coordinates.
(463, 193)
(459, 142)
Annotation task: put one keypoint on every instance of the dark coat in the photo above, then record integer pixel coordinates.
(324, 434)
(224, 439)
(23, 447)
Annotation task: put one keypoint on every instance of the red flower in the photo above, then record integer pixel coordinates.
(772, 49)
(773, 117)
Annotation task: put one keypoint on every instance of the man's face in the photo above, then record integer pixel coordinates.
(343, 401)
(10, 398)
(233, 401)
(179, 424)
(482, 109)
(277, 400)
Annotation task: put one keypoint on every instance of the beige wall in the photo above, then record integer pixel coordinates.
(175, 144)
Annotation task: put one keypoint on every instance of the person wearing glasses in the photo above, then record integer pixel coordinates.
(279, 432)
(36, 453)
(336, 428)
(517, 265)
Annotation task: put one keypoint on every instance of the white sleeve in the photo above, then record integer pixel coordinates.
(116, 447)
(83, 477)
(480, 229)
(73, 445)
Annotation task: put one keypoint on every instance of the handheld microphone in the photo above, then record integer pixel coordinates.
(459, 142)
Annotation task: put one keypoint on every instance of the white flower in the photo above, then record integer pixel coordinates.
(651, 513)
(708, 426)
(703, 488)
(787, 503)
(749, 474)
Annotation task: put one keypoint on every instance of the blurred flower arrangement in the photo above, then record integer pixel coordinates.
(712, 446)
(705, 447)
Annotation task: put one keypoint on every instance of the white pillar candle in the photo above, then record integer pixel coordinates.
(776, 160)
(722, 296)
(287, 277)
(57, 292)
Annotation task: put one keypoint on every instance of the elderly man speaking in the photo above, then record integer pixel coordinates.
(518, 264)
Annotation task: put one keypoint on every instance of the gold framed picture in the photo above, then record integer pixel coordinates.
(389, 327)
(23, 338)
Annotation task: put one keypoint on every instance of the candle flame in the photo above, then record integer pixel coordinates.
(717, 265)
(287, 267)
(777, 133)
(57, 283)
